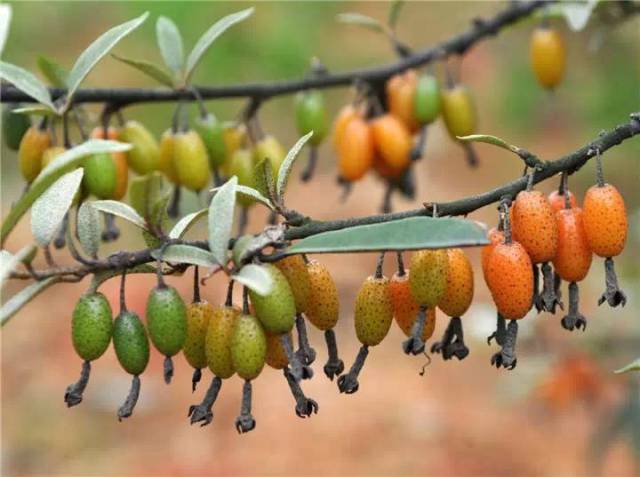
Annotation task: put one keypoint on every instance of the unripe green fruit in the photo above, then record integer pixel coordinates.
(427, 100)
(459, 111)
(311, 115)
(190, 160)
(212, 133)
(91, 326)
(269, 147)
(131, 343)
(198, 317)
(239, 247)
(248, 347)
(218, 341)
(428, 276)
(374, 311)
(275, 310)
(167, 320)
(241, 165)
(144, 155)
(14, 126)
(100, 175)
(295, 271)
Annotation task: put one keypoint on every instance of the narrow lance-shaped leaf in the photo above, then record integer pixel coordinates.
(361, 20)
(62, 164)
(97, 50)
(89, 228)
(256, 278)
(185, 223)
(633, 366)
(264, 178)
(221, 212)
(54, 72)
(37, 110)
(413, 233)
(26, 82)
(187, 254)
(394, 13)
(9, 262)
(285, 169)
(148, 68)
(24, 296)
(210, 36)
(121, 210)
(488, 139)
(170, 44)
(250, 192)
(49, 209)
(5, 23)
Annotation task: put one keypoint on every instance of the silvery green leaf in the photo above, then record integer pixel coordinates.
(49, 209)
(221, 211)
(170, 44)
(121, 210)
(54, 72)
(256, 278)
(27, 83)
(633, 366)
(361, 20)
(287, 164)
(185, 223)
(394, 13)
(5, 23)
(148, 68)
(24, 296)
(186, 254)
(577, 14)
(89, 228)
(9, 261)
(250, 192)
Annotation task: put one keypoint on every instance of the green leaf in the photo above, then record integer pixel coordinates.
(496, 141)
(100, 277)
(24, 296)
(54, 72)
(264, 178)
(89, 228)
(221, 212)
(250, 192)
(414, 233)
(62, 164)
(633, 366)
(121, 210)
(5, 23)
(287, 164)
(394, 13)
(210, 36)
(149, 69)
(9, 262)
(187, 254)
(170, 44)
(254, 277)
(27, 83)
(49, 209)
(361, 20)
(37, 110)
(185, 223)
(97, 50)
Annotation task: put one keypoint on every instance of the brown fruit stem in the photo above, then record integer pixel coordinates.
(73, 394)
(196, 284)
(307, 172)
(452, 343)
(304, 406)
(506, 357)
(132, 398)
(599, 172)
(613, 294)
(334, 365)
(414, 344)
(245, 421)
(548, 297)
(574, 319)
(505, 203)
(470, 154)
(202, 412)
(245, 301)
(295, 365)
(348, 383)
(530, 179)
(229, 300)
(111, 231)
(401, 270)
(167, 369)
(305, 352)
(537, 298)
(387, 207)
(195, 378)
(563, 186)
(501, 331)
(418, 147)
(174, 205)
(123, 296)
(347, 187)
(379, 265)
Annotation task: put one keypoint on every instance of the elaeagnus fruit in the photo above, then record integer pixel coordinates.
(33, 144)
(401, 91)
(100, 175)
(242, 165)
(190, 160)
(166, 164)
(144, 154)
(212, 133)
(311, 115)
(120, 161)
(354, 147)
(277, 309)
(548, 56)
(392, 142)
(427, 102)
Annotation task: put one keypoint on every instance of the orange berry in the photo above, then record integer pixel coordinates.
(495, 236)
(405, 308)
(33, 144)
(401, 91)
(345, 115)
(374, 311)
(428, 276)
(534, 225)
(392, 141)
(354, 148)
(323, 306)
(605, 220)
(510, 280)
(295, 271)
(459, 291)
(573, 258)
(276, 356)
(557, 200)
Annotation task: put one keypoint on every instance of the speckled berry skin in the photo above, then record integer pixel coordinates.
(296, 273)
(459, 292)
(573, 258)
(91, 326)
(534, 226)
(276, 310)
(605, 220)
(198, 317)
(323, 309)
(374, 311)
(131, 343)
(548, 56)
(392, 141)
(32, 146)
(167, 320)
(510, 280)
(276, 356)
(557, 200)
(428, 276)
(405, 308)
(248, 347)
(218, 341)
(495, 237)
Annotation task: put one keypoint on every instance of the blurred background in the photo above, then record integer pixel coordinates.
(560, 412)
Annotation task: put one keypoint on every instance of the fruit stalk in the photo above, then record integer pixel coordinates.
(306, 353)
(334, 365)
(245, 421)
(304, 406)
(348, 383)
(203, 411)
(613, 294)
(130, 402)
(506, 357)
(73, 394)
(574, 319)
(414, 344)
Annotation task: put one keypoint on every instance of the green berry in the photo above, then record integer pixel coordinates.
(277, 309)
(242, 166)
(311, 115)
(167, 320)
(91, 326)
(131, 343)
(14, 126)
(144, 156)
(427, 101)
(212, 133)
(100, 175)
(248, 347)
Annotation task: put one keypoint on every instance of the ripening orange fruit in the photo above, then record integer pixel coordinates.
(605, 220)
(119, 159)
(276, 356)
(355, 149)
(573, 257)
(323, 306)
(374, 311)
(459, 291)
(428, 276)
(346, 114)
(33, 144)
(392, 141)
(557, 200)
(534, 225)
(510, 280)
(548, 56)
(495, 237)
(401, 91)
(405, 308)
